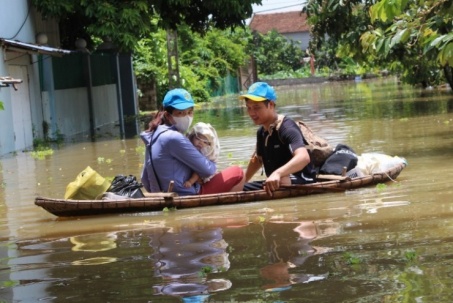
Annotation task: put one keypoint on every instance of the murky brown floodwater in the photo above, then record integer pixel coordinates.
(370, 245)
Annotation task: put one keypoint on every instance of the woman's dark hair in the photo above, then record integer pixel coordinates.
(169, 109)
(163, 116)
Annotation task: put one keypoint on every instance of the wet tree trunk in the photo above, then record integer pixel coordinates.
(448, 72)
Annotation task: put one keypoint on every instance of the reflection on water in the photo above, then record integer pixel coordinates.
(95, 242)
(386, 244)
(289, 251)
(185, 256)
(94, 261)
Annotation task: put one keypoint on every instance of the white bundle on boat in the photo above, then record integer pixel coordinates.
(372, 163)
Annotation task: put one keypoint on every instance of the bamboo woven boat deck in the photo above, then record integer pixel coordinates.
(157, 202)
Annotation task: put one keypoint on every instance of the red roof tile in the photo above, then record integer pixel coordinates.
(286, 22)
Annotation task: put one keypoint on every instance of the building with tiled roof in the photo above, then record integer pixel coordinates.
(293, 25)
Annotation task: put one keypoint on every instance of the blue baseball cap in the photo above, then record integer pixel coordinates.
(260, 91)
(178, 98)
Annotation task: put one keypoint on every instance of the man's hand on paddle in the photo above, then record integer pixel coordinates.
(272, 183)
(299, 160)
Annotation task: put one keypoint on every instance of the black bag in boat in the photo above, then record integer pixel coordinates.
(126, 186)
(343, 156)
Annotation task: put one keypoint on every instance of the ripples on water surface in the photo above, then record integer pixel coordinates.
(392, 244)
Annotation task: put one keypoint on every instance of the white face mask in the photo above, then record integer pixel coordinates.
(183, 123)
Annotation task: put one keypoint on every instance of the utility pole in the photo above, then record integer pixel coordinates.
(174, 80)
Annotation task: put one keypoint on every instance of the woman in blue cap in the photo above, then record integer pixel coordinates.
(170, 156)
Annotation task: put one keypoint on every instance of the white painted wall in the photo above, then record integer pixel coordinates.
(15, 21)
(21, 109)
(304, 38)
(25, 110)
(16, 24)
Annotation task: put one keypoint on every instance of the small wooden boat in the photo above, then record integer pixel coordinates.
(159, 201)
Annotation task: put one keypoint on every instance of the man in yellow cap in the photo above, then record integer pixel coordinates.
(280, 146)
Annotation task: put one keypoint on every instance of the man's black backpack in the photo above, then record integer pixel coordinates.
(343, 158)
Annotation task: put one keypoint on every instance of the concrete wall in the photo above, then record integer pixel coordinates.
(71, 112)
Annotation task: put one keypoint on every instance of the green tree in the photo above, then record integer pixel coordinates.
(336, 27)
(125, 22)
(204, 59)
(419, 32)
(274, 53)
(409, 37)
(150, 60)
(211, 56)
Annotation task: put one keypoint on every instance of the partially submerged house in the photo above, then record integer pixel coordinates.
(293, 25)
(58, 93)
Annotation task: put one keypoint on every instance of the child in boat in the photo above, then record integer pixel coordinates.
(204, 137)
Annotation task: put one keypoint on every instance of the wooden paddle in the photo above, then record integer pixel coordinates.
(332, 178)
(167, 194)
(170, 186)
(160, 195)
(311, 186)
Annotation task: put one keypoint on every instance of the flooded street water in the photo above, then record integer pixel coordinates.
(391, 244)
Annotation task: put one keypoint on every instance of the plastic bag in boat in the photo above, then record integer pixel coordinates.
(126, 186)
(88, 185)
(372, 163)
